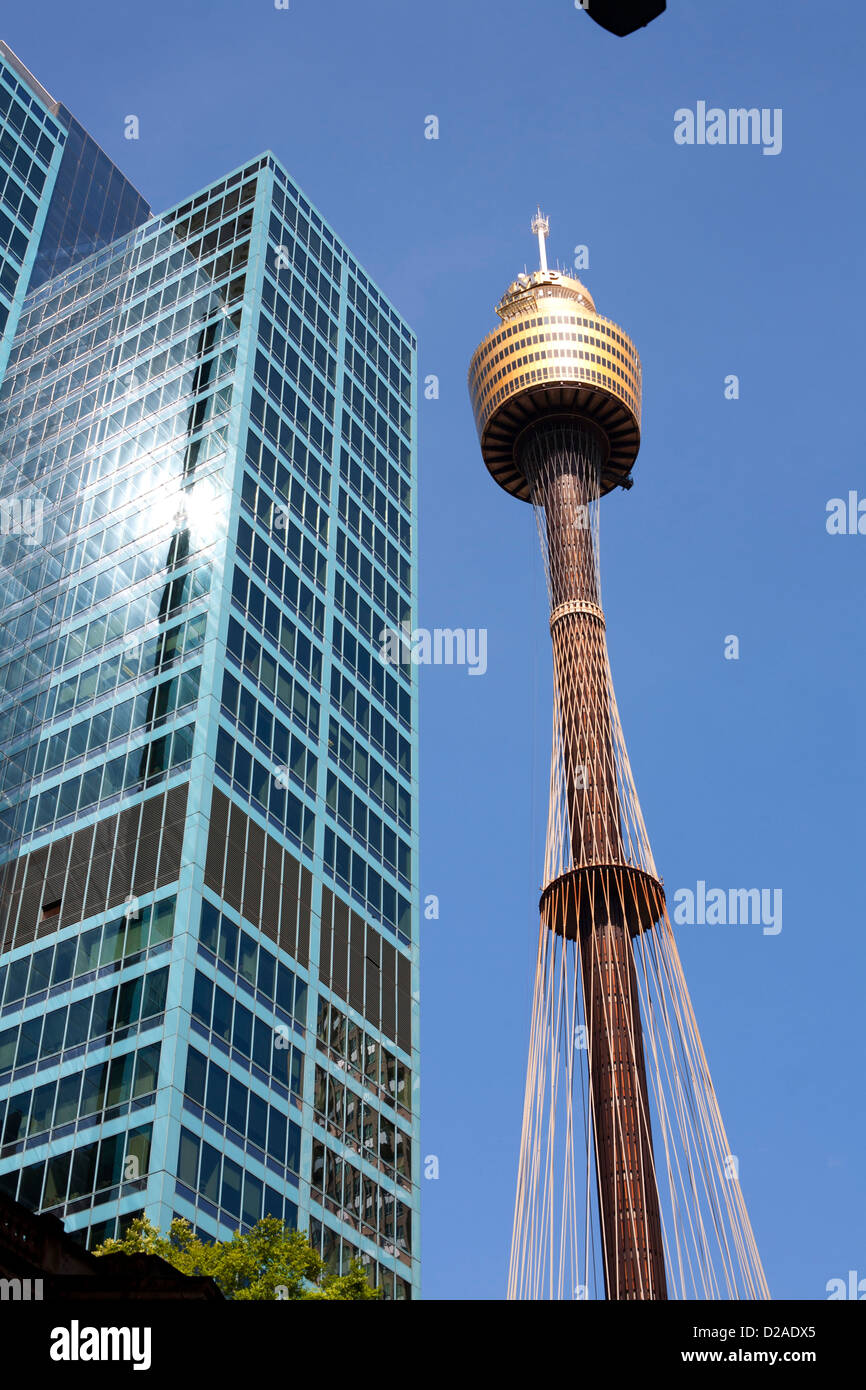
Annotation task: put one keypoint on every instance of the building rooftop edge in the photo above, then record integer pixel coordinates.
(335, 234)
(27, 76)
(61, 112)
(81, 266)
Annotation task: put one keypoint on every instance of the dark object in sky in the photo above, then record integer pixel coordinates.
(622, 17)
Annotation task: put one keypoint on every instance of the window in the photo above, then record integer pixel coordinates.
(217, 1086)
(188, 1159)
(231, 1187)
(210, 1171)
(196, 1070)
(222, 1014)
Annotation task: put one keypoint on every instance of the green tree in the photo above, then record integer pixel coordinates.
(269, 1261)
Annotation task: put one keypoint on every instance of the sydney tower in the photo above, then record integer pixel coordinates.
(556, 391)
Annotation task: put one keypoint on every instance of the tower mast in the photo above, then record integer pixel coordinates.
(541, 227)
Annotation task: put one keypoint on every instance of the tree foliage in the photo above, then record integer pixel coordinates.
(269, 1261)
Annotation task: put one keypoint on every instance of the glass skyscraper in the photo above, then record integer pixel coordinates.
(60, 195)
(208, 825)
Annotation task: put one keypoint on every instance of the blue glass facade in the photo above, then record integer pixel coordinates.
(208, 825)
(91, 205)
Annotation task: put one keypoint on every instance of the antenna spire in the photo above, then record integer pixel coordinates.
(541, 227)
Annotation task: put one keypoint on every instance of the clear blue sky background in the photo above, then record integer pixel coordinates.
(716, 261)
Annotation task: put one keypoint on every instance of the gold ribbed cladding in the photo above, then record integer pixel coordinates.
(554, 355)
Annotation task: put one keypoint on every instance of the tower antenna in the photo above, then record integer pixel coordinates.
(541, 227)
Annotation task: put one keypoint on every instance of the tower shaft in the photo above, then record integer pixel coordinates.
(628, 1199)
(562, 463)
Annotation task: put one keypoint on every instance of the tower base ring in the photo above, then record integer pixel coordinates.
(583, 897)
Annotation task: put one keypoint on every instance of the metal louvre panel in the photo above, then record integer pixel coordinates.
(270, 907)
(253, 875)
(7, 876)
(216, 842)
(31, 898)
(404, 1003)
(304, 914)
(100, 866)
(127, 823)
(271, 890)
(10, 895)
(356, 971)
(76, 878)
(389, 989)
(234, 871)
(171, 848)
(146, 861)
(55, 876)
(289, 913)
(372, 1010)
(256, 845)
(373, 972)
(325, 938)
(339, 976)
(175, 804)
(251, 871)
(151, 813)
(373, 945)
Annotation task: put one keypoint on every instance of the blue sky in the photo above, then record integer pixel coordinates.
(717, 260)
